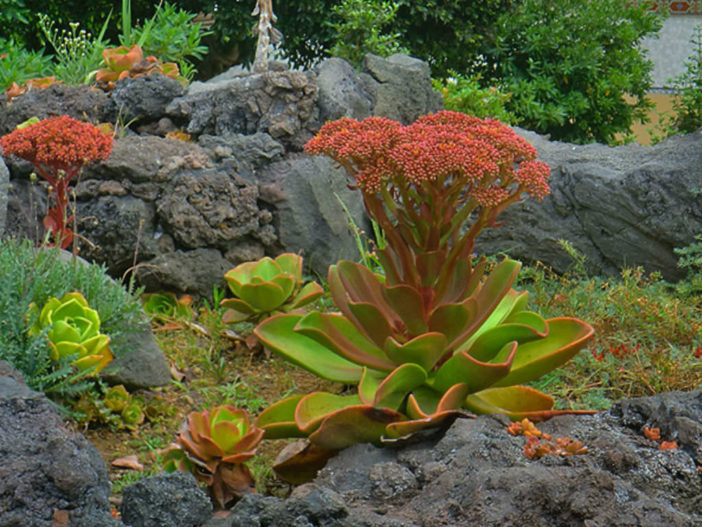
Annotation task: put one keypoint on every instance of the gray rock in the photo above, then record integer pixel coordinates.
(250, 151)
(281, 104)
(194, 271)
(477, 473)
(47, 471)
(343, 92)
(210, 208)
(143, 99)
(145, 366)
(165, 500)
(147, 159)
(4, 189)
(302, 192)
(118, 227)
(623, 206)
(79, 102)
(402, 86)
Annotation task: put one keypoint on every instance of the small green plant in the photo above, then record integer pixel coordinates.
(78, 54)
(360, 30)
(18, 65)
(464, 94)
(167, 306)
(214, 446)
(172, 36)
(267, 286)
(73, 330)
(691, 259)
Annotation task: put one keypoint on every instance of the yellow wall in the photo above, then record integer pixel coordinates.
(663, 110)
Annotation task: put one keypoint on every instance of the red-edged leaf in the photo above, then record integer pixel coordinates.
(407, 303)
(278, 334)
(424, 350)
(395, 387)
(336, 333)
(478, 375)
(566, 336)
(309, 293)
(278, 420)
(316, 406)
(354, 424)
(299, 462)
(371, 321)
(517, 402)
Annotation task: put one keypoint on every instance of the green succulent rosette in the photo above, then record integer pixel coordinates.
(213, 446)
(74, 330)
(268, 286)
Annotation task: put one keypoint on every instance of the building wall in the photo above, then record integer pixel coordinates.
(672, 47)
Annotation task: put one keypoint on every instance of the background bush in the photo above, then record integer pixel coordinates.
(569, 64)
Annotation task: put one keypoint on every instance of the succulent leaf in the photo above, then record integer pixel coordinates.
(566, 336)
(278, 333)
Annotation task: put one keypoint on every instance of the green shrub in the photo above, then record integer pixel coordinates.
(171, 36)
(448, 34)
(19, 65)
(687, 106)
(569, 65)
(464, 94)
(31, 275)
(360, 27)
(13, 14)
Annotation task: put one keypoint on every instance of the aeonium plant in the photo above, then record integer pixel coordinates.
(267, 286)
(434, 337)
(73, 330)
(214, 446)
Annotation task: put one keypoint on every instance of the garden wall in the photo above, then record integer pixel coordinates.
(187, 211)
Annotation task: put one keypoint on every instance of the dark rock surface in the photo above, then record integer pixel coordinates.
(144, 99)
(303, 192)
(58, 99)
(281, 104)
(165, 500)
(402, 87)
(343, 92)
(623, 206)
(477, 474)
(145, 366)
(47, 472)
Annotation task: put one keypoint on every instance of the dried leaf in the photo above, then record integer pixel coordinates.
(130, 462)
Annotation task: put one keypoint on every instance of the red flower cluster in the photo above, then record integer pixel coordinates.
(447, 149)
(58, 148)
(616, 351)
(58, 143)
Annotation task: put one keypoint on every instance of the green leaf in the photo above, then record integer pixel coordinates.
(315, 407)
(290, 263)
(309, 293)
(477, 375)
(278, 420)
(424, 350)
(355, 424)
(278, 334)
(407, 303)
(263, 297)
(394, 388)
(339, 335)
(566, 336)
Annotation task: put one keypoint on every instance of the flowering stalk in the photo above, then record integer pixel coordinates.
(58, 148)
(423, 183)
